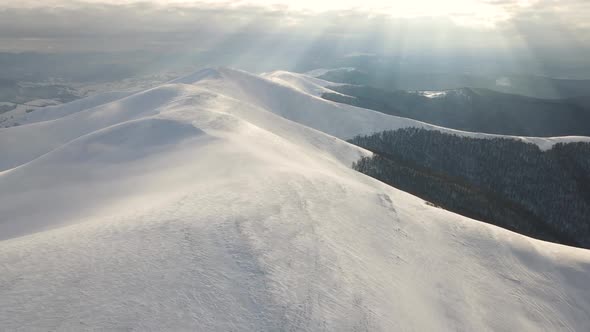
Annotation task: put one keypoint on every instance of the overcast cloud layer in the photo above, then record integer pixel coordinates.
(534, 29)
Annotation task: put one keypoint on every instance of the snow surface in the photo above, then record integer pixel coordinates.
(225, 201)
(323, 71)
(304, 83)
(433, 94)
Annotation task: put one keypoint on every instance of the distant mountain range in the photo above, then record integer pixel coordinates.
(475, 109)
(18, 93)
(392, 79)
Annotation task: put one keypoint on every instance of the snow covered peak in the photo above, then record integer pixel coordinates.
(302, 82)
(215, 73)
(203, 74)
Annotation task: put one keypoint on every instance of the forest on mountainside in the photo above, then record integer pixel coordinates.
(505, 182)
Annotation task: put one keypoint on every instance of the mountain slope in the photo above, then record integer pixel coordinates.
(478, 110)
(543, 194)
(197, 206)
(27, 116)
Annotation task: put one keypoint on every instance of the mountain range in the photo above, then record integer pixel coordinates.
(474, 109)
(392, 77)
(227, 201)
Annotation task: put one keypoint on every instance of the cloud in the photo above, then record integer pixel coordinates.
(541, 26)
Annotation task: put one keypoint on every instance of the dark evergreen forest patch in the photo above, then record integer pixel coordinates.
(508, 183)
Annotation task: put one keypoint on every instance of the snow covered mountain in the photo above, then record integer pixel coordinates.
(226, 201)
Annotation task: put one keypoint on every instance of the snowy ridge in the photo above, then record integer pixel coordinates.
(296, 97)
(301, 82)
(322, 71)
(217, 202)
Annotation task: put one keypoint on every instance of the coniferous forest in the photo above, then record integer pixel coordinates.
(508, 183)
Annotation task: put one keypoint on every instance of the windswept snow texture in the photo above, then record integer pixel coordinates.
(225, 201)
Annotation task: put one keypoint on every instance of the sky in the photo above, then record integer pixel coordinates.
(466, 11)
(524, 29)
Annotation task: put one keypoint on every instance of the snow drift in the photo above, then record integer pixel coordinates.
(225, 201)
